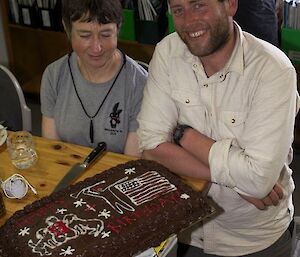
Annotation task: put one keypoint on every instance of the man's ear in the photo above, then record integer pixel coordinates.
(67, 32)
(232, 7)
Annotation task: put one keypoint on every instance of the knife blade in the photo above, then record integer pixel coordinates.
(78, 168)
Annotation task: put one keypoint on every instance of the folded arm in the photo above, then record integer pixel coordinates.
(192, 160)
(248, 159)
(178, 160)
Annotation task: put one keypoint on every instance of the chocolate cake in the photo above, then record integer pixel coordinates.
(120, 212)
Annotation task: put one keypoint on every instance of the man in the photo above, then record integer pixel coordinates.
(232, 99)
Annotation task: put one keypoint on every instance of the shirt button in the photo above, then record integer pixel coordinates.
(187, 101)
(195, 65)
(222, 77)
(205, 85)
(233, 121)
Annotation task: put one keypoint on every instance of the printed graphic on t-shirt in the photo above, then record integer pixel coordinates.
(115, 120)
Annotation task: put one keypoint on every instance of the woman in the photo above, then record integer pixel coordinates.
(94, 93)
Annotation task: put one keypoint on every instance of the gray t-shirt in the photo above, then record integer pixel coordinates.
(117, 116)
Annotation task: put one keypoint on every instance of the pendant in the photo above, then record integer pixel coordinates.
(92, 131)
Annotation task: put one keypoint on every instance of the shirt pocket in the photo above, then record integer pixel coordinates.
(232, 123)
(190, 108)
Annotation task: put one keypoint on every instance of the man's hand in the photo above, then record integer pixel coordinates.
(272, 198)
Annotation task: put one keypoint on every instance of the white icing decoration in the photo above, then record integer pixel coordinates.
(68, 251)
(98, 230)
(97, 191)
(105, 213)
(59, 231)
(139, 190)
(185, 196)
(130, 171)
(146, 187)
(24, 231)
(61, 211)
(79, 203)
(105, 234)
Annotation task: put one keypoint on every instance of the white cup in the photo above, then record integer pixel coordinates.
(16, 187)
(21, 149)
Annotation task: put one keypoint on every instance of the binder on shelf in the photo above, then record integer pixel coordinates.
(127, 31)
(291, 14)
(148, 32)
(58, 26)
(49, 13)
(14, 11)
(290, 33)
(290, 42)
(128, 4)
(28, 15)
(171, 27)
(46, 18)
(152, 23)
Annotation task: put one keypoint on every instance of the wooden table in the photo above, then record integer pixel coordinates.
(55, 158)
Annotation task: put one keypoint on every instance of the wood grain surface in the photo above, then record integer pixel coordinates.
(55, 158)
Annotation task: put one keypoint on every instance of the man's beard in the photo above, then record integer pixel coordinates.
(217, 41)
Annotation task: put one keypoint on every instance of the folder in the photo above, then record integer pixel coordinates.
(14, 11)
(49, 13)
(28, 15)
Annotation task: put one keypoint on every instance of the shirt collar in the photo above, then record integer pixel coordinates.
(236, 61)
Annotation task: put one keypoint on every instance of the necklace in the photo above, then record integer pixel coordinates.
(91, 117)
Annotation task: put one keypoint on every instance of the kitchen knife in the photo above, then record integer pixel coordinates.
(79, 168)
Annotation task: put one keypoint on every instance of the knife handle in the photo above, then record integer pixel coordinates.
(100, 148)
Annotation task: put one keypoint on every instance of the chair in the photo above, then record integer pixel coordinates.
(143, 64)
(13, 108)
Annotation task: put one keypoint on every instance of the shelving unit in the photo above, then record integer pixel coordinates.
(30, 50)
(290, 44)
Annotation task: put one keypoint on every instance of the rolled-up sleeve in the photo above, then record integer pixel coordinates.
(252, 163)
(158, 114)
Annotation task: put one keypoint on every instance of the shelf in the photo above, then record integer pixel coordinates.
(33, 49)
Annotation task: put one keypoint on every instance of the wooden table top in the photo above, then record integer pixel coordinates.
(55, 158)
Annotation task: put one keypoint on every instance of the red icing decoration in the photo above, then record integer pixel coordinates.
(59, 228)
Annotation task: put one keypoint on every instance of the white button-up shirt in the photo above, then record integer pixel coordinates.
(249, 109)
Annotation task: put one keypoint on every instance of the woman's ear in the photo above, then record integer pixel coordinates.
(119, 28)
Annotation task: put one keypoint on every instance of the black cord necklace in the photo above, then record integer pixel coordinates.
(91, 117)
